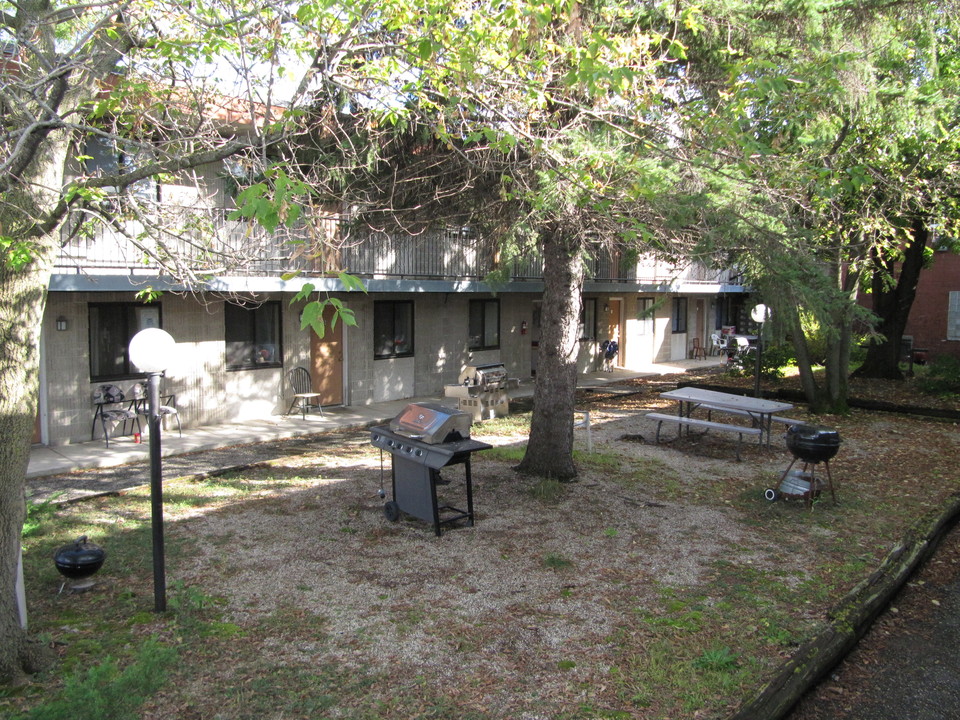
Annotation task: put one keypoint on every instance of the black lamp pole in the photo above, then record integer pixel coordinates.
(759, 314)
(756, 369)
(156, 493)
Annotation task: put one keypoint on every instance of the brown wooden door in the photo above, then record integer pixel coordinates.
(612, 320)
(326, 358)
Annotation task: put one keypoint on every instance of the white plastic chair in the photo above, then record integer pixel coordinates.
(717, 344)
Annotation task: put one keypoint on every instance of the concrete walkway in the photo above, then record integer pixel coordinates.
(47, 461)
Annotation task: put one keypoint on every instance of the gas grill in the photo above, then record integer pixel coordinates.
(481, 390)
(421, 440)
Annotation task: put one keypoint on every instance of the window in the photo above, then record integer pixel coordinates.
(392, 329)
(679, 315)
(252, 336)
(588, 319)
(953, 316)
(645, 313)
(104, 158)
(112, 326)
(484, 325)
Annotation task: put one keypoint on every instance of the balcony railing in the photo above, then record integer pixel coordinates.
(207, 243)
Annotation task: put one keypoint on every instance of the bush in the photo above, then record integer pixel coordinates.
(105, 692)
(772, 361)
(942, 376)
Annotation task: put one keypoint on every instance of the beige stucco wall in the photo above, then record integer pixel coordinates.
(208, 394)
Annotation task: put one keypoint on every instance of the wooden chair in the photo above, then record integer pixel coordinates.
(303, 394)
(697, 350)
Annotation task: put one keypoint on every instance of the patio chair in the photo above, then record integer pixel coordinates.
(717, 344)
(744, 347)
(303, 394)
(697, 350)
(168, 405)
(112, 410)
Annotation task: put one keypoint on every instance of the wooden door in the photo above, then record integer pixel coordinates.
(612, 321)
(326, 358)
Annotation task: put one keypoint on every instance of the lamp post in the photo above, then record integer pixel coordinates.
(760, 314)
(150, 350)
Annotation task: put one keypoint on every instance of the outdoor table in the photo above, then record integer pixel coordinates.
(759, 410)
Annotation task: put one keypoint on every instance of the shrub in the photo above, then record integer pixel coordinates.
(772, 361)
(105, 692)
(942, 376)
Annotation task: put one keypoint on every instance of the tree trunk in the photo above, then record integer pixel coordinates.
(22, 301)
(550, 450)
(892, 305)
(816, 398)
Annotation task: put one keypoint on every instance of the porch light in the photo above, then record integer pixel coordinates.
(150, 350)
(61, 323)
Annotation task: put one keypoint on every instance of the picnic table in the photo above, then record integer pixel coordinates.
(760, 411)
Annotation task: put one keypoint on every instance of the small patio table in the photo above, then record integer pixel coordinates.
(759, 410)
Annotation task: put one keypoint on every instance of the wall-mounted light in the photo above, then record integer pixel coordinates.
(606, 308)
(61, 323)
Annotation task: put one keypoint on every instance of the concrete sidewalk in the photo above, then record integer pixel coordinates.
(49, 461)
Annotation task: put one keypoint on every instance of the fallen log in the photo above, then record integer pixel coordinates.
(850, 619)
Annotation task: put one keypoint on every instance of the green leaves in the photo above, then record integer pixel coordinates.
(315, 313)
(16, 254)
(273, 202)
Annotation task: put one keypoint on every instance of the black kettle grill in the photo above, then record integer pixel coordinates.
(78, 561)
(812, 445)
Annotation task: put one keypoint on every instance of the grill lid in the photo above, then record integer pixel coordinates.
(489, 374)
(79, 559)
(813, 443)
(432, 423)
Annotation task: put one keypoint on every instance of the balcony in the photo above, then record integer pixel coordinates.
(190, 243)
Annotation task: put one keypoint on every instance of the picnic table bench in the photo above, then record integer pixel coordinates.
(682, 420)
(746, 413)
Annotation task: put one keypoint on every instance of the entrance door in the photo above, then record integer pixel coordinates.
(700, 323)
(326, 357)
(612, 320)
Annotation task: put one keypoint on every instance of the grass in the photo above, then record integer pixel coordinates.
(691, 651)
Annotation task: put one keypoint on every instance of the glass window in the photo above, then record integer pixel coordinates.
(953, 315)
(588, 319)
(645, 313)
(112, 326)
(252, 336)
(484, 324)
(680, 315)
(392, 329)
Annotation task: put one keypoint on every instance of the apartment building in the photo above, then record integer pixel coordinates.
(427, 312)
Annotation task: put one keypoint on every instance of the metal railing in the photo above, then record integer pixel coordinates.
(205, 241)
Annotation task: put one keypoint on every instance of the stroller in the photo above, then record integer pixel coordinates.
(610, 350)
